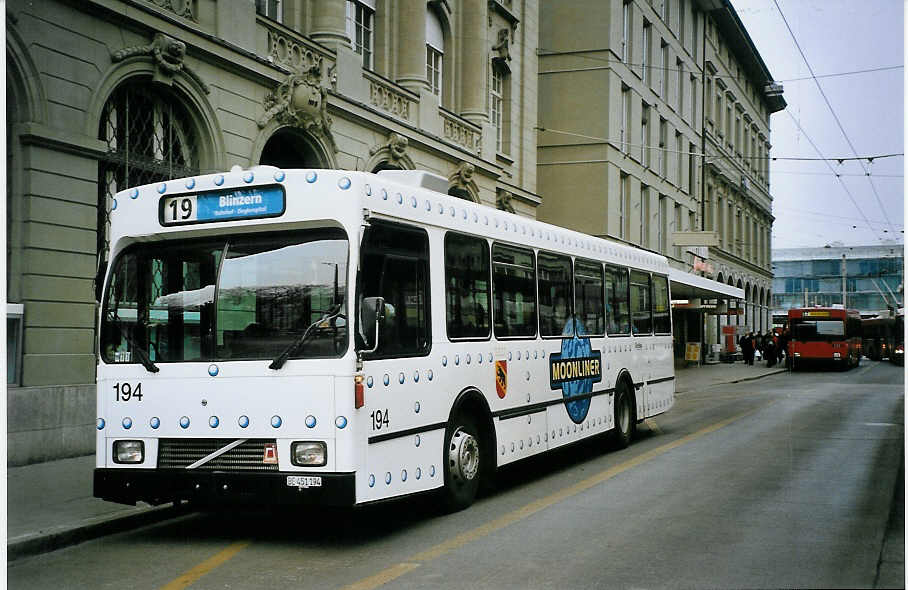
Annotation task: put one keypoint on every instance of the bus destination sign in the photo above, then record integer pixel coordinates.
(228, 205)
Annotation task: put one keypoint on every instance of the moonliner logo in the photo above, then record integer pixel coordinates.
(574, 370)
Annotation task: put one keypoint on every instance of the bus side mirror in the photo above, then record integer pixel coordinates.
(371, 319)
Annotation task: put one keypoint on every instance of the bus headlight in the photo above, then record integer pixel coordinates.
(837, 355)
(129, 451)
(797, 354)
(309, 454)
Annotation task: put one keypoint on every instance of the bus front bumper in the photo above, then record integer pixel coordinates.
(157, 486)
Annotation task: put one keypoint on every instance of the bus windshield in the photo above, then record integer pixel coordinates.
(239, 298)
(806, 330)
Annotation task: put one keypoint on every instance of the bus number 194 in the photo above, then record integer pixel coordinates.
(125, 391)
(379, 419)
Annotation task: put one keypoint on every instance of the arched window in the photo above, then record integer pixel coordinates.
(435, 52)
(150, 137)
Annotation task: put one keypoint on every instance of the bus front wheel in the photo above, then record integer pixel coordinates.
(463, 462)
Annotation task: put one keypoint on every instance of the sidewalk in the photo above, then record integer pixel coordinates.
(50, 505)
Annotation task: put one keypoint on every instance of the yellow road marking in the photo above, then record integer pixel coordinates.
(193, 575)
(395, 571)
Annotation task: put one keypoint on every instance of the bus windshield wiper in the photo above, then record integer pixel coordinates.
(134, 346)
(278, 362)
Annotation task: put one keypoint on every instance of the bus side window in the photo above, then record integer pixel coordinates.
(590, 308)
(555, 295)
(467, 286)
(662, 318)
(617, 301)
(641, 304)
(395, 266)
(513, 291)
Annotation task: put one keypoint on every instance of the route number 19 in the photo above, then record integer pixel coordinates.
(180, 209)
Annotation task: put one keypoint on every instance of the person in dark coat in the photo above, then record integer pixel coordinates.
(747, 348)
(769, 351)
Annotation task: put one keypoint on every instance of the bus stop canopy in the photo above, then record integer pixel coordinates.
(685, 285)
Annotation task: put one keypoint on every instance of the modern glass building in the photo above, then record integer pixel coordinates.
(873, 277)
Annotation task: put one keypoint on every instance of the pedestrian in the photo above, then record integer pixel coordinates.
(747, 348)
(759, 342)
(769, 351)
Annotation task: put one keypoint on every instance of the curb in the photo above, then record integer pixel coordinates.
(64, 536)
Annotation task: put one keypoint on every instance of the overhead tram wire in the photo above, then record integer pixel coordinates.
(842, 182)
(834, 116)
(720, 156)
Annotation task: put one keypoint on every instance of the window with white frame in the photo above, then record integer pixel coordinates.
(270, 8)
(625, 31)
(663, 219)
(622, 205)
(663, 77)
(625, 118)
(360, 19)
(644, 215)
(644, 137)
(646, 56)
(496, 106)
(435, 52)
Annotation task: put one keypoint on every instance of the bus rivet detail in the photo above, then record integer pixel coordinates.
(400, 199)
(155, 422)
(219, 179)
(101, 423)
(418, 473)
(444, 361)
(243, 421)
(416, 376)
(417, 440)
(413, 202)
(213, 370)
(457, 360)
(369, 381)
(311, 177)
(341, 422)
(279, 176)
(371, 480)
(428, 205)
(248, 177)
(527, 375)
(276, 421)
(310, 421)
(386, 379)
(190, 183)
(403, 475)
(344, 183)
(388, 478)
(479, 358)
(469, 358)
(213, 422)
(431, 374)
(368, 190)
(510, 357)
(518, 355)
(134, 193)
(384, 195)
(431, 471)
(127, 423)
(113, 206)
(401, 378)
(162, 188)
(184, 422)
(416, 407)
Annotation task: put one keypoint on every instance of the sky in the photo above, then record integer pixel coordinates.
(811, 205)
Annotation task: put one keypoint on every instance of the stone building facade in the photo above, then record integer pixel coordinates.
(632, 147)
(104, 94)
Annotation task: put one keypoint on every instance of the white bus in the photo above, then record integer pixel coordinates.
(339, 338)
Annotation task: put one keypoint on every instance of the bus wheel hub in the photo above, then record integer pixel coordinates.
(463, 455)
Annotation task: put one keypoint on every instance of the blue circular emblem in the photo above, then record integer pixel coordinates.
(575, 370)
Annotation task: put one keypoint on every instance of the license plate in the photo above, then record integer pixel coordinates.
(304, 481)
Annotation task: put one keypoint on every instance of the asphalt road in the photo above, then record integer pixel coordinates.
(784, 482)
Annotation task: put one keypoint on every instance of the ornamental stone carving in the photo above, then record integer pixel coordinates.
(503, 201)
(179, 7)
(393, 152)
(301, 101)
(502, 49)
(167, 54)
(461, 183)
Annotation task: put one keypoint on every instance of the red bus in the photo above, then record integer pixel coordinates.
(824, 336)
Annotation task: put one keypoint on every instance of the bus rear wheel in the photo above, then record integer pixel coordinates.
(625, 418)
(463, 463)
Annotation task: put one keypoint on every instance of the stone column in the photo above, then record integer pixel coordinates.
(329, 27)
(474, 48)
(411, 44)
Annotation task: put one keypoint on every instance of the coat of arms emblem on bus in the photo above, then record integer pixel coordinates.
(501, 378)
(574, 370)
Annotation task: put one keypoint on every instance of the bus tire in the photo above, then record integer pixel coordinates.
(625, 418)
(463, 456)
